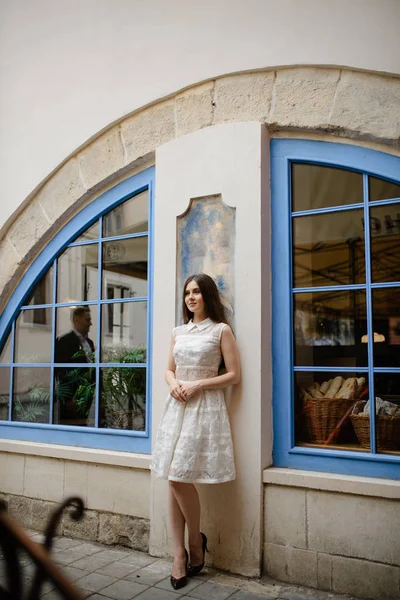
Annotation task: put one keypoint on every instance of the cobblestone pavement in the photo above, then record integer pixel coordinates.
(110, 573)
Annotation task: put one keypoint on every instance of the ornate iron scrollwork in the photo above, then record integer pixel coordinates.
(13, 540)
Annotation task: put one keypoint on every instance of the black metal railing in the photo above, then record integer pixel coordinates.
(14, 543)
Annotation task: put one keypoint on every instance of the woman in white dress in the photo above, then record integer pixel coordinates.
(194, 442)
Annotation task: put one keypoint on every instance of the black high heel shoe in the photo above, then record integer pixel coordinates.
(180, 582)
(192, 571)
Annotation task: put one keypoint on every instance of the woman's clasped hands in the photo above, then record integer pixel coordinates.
(184, 391)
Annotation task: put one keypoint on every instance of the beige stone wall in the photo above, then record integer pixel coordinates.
(340, 541)
(354, 105)
(117, 498)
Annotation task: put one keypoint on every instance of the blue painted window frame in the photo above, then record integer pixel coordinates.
(368, 162)
(89, 437)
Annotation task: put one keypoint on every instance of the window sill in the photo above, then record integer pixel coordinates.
(344, 484)
(102, 457)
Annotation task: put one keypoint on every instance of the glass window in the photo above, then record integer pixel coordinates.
(330, 326)
(66, 368)
(316, 187)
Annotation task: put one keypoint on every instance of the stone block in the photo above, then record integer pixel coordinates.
(9, 262)
(243, 97)
(285, 516)
(346, 525)
(194, 109)
(133, 485)
(75, 479)
(12, 473)
(87, 529)
(368, 104)
(41, 514)
(102, 158)
(20, 508)
(29, 227)
(324, 571)
(365, 579)
(291, 564)
(44, 478)
(62, 190)
(125, 531)
(303, 98)
(143, 132)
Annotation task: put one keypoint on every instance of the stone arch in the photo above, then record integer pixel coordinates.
(360, 106)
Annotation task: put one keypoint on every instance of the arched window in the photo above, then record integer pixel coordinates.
(336, 310)
(76, 334)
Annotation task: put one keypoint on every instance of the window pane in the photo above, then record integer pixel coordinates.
(74, 396)
(77, 274)
(387, 408)
(31, 397)
(323, 404)
(329, 249)
(381, 189)
(123, 398)
(90, 234)
(42, 294)
(385, 242)
(328, 329)
(76, 334)
(123, 334)
(386, 326)
(320, 187)
(32, 340)
(129, 217)
(125, 268)
(4, 393)
(5, 356)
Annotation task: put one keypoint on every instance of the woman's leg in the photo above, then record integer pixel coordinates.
(177, 521)
(187, 497)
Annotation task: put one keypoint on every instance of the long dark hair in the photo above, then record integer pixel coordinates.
(212, 301)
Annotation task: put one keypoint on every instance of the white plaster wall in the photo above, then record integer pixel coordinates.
(69, 69)
(225, 159)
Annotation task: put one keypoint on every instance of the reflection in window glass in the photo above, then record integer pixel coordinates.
(385, 242)
(5, 356)
(123, 334)
(381, 189)
(42, 294)
(77, 274)
(387, 408)
(4, 393)
(90, 234)
(76, 334)
(328, 329)
(74, 396)
(125, 268)
(31, 397)
(123, 398)
(32, 340)
(329, 249)
(323, 405)
(386, 326)
(130, 217)
(321, 187)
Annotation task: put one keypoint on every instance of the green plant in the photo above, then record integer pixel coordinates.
(36, 408)
(123, 390)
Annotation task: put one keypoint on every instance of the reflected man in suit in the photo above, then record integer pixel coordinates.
(75, 386)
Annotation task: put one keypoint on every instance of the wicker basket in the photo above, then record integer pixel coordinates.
(387, 429)
(324, 418)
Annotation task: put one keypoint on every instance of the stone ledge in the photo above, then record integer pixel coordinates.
(89, 455)
(345, 484)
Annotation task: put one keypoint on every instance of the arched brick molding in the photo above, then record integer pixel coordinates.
(355, 105)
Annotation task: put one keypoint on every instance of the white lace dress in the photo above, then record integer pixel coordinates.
(194, 441)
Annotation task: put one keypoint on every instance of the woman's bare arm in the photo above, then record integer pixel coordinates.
(175, 386)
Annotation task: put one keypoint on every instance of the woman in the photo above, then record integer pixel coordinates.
(194, 442)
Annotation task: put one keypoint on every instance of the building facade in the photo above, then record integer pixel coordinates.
(155, 143)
